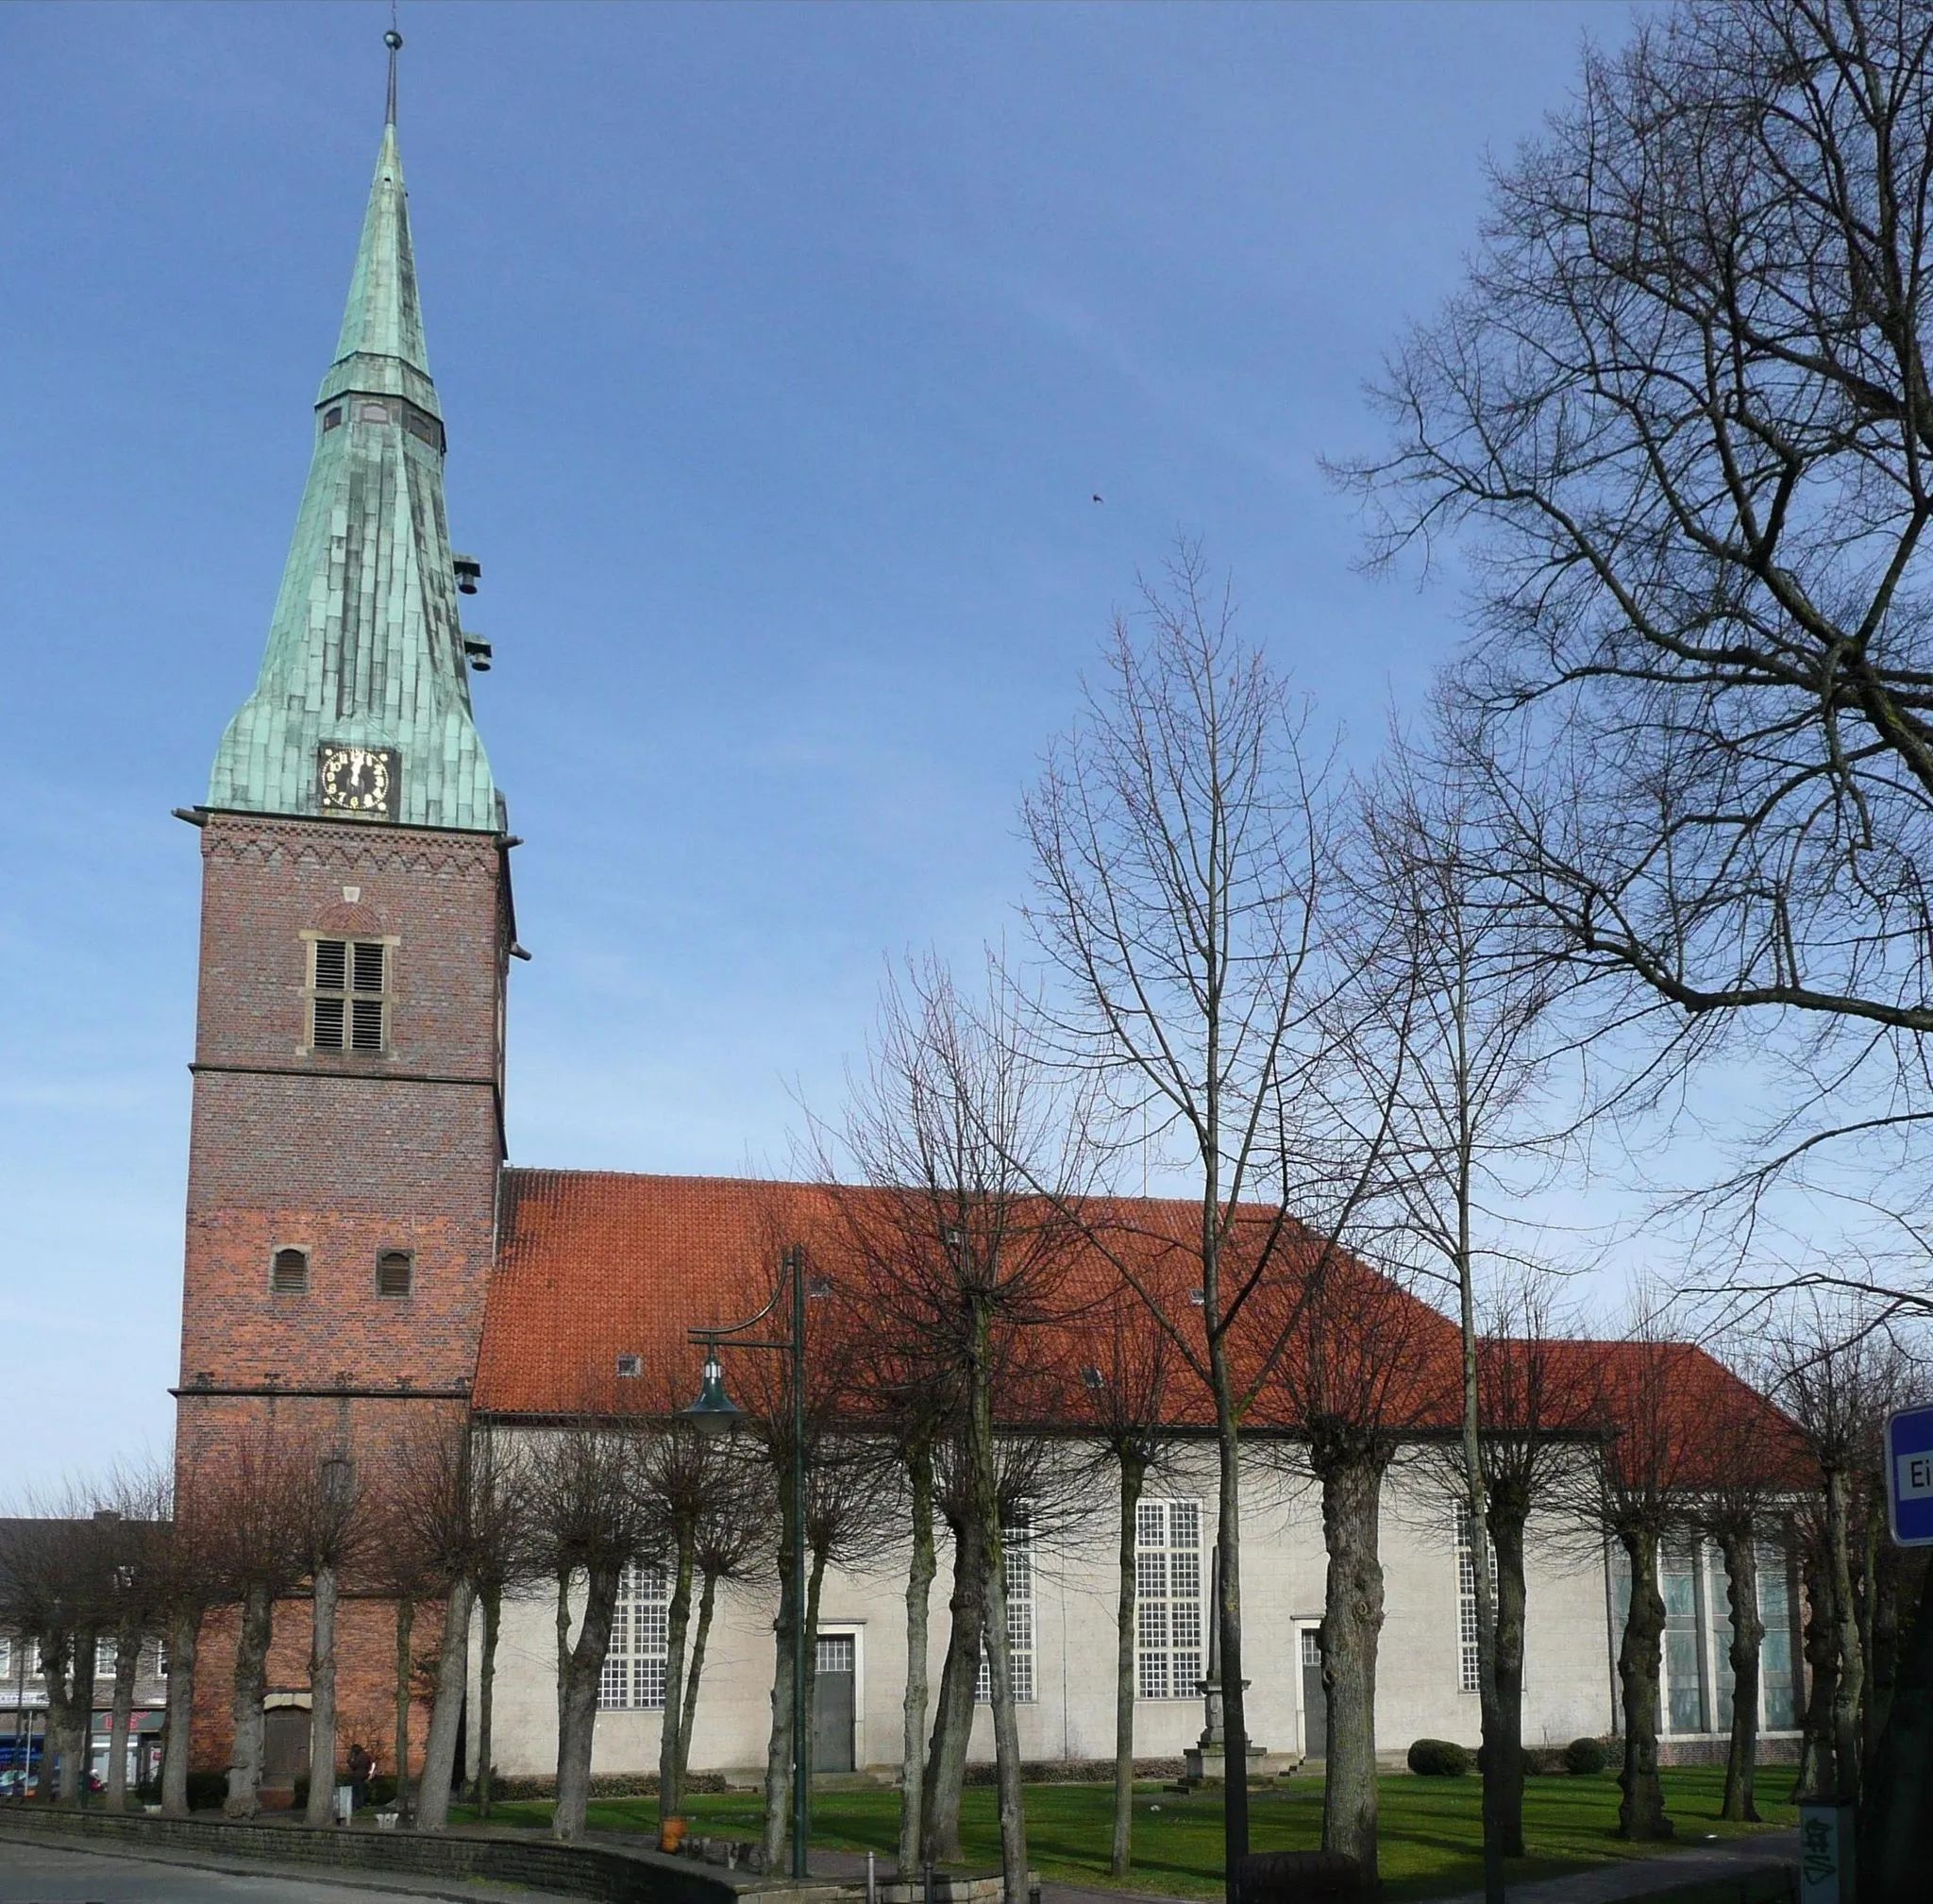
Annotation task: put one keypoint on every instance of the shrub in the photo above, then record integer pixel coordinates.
(382, 1790)
(1544, 1761)
(206, 1790)
(1584, 1757)
(1437, 1758)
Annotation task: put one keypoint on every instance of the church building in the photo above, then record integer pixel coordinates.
(361, 1257)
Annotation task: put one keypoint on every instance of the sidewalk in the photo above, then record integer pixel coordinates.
(1645, 1877)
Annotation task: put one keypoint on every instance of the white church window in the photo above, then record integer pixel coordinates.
(640, 1629)
(1016, 1550)
(1470, 1659)
(1167, 1599)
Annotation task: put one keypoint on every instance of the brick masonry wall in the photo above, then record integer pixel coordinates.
(346, 1155)
(343, 1155)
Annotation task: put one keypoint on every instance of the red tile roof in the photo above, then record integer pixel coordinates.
(594, 1265)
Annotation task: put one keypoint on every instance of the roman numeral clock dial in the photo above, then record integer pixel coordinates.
(359, 783)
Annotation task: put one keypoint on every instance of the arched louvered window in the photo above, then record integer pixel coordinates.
(288, 1272)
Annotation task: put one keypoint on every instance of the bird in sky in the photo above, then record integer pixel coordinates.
(1097, 498)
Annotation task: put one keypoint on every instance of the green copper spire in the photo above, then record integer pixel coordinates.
(365, 650)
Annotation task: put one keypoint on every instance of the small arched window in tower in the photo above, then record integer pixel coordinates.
(332, 417)
(395, 1272)
(287, 1274)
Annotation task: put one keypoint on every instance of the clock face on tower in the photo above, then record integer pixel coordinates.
(359, 783)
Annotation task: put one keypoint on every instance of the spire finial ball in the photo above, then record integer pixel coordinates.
(392, 39)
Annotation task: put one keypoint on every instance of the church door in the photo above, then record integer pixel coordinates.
(1315, 1710)
(835, 1682)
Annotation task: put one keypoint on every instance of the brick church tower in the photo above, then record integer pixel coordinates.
(356, 928)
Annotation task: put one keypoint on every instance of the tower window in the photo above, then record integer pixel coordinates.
(332, 418)
(287, 1274)
(395, 1272)
(349, 1006)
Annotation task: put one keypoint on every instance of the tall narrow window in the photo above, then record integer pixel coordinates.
(1684, 1706)
(1470, 1659)
(1167, 1599)
(349, 1006)
(634, 1663)
(1776, 1677)
(1016, 1550)
(396, 1272)
(288, 1272)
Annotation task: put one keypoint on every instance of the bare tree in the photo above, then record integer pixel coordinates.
(590, 1517)
(1750, 1469)
(967, 1163)
(1123, 1402)
(502, 1562)
(332, 1531)
(1639, 1499)
(1369, 1362)
(458, 1503)
(56, 1591)
(732, 1537)
(1683, 404)
(1181, 844)
(1530, 1457)
(1453, 1032)
(253, 1508)
(1837, 1379)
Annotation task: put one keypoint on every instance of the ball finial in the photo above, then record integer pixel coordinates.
(392, 39)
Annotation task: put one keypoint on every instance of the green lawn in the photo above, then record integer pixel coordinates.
(1430, 1832)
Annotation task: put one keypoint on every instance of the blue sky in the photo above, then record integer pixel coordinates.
(782, 350)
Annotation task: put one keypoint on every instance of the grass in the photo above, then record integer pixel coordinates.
(1430, 1840)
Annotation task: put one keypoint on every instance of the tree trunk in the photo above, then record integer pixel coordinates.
(784, 1636)
(251, 1684)
(1845, 1620)
(406, 1626)
(1351, 1620)
(56, 1665)
(486, 1695)
(1896, 1852)
(919, 1577)
(1882, 1653)
(677, 1625)
(1228, 1608)
(322, 1698)
(586, 1671)
(184, 1641)
(1748, 1632)
(999, 1651)
(564, 1579)
(126, 1663)
(695, 1674)
(440, 1769)
(815, 1580)
(76, 1747)
(1641, 1811)
(1133, 1476)
(785, 1664)
(1508, 1519)
(1816, 1778)
(946, 1764)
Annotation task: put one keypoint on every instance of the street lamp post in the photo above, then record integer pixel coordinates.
(713, 1413)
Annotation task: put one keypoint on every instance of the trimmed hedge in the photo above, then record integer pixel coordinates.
(1438, 1758)
(1582, 1757)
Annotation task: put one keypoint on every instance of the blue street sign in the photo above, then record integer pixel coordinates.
(1909, 1475)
